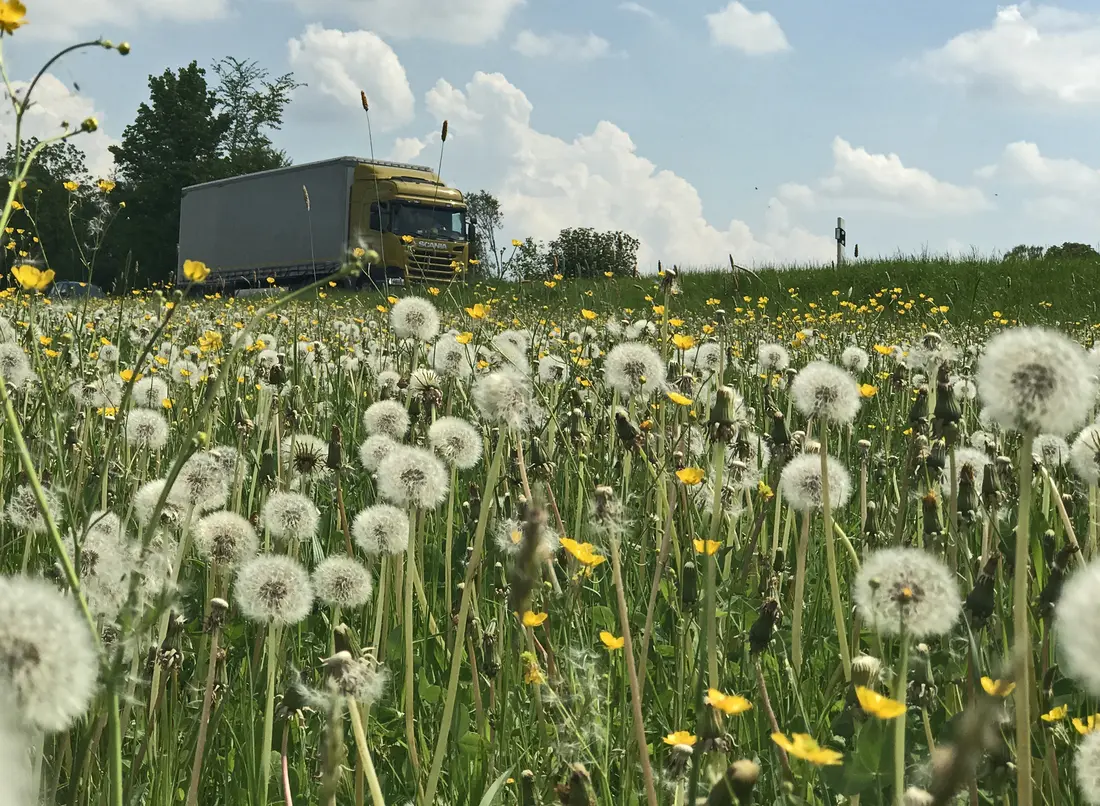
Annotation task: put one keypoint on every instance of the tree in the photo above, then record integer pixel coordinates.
(252, 104)
(528, 261)
(65, 214)
(1072, 251)
(173, 142)
(484, 210)
(584, 252)
(1024, 252)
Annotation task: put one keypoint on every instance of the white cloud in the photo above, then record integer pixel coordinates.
(638, 8)
(754, 33)
(66, 19)
(464, 22)
(1039, 52)
(53, 104)
(566, 47)
(546, 183)
(863, 181)
(1054, 189)
(339, 64)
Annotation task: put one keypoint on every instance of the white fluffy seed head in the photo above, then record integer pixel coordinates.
(1035, 379)
(363, 679)
(388, 418)
(1050, 450)
(145, 501)
(15, 755)
(505, 397)
(146, 428)
(290, 516)
(971, 459)
(553, 369)
(414, 318)
(1084, 456)
(703, 358)
(14, 365)
(374, 449)
(225, 539)
(450, 359)
(907, 583)
(772, 358)
(457, 441)
(1077, 625)
(23, 511)
(381, 530)
(274, 589)
(855, 359)
(800, 483)
(825, 391)
(634, 369)
(149, 392)
(202, 483)
(1086, 765)
(412, 477)
(342, 582)
(47, 657)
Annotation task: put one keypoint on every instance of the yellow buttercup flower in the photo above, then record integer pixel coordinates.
(610, 641)
(32, 278)
(708, 547)
(731, 704)
(464, 338)
(1055, 714)
(478, 311)
(106, 185)
(998, 688)
(680, 737)
(683, 342)
(70, 186)
(12, 15)
(587, 314)
(691, 475)
(531, 619)
(584, 553)
(802, 746)
(195, 270)
(1087, 725)
(877, 705)
(867, 390)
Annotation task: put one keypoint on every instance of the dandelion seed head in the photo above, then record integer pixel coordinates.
(374, 449)
(1085, 454)
(1050, 450)
(968, 459)
(800, 483)
(855, 359)
(342, 582)
(505, 397)
(703, 358)
(273, 589)
(911, 583)
(225, 539)
(825, 391)
(149, 392)
(381, 530)
(457, 441)
(1035, 379)
(23, 513)
(387, 417)
(290, 517)
(1077, 626)
(146, 428)
(202, 484)
(412, 477)
(47, 657)
(553, 369)
(414, 318)
(15, 367)
(449, 358)
(1086, 766)
(145, 501)
(634, 369)
(363, 679)
(772, 358)
(305, 455)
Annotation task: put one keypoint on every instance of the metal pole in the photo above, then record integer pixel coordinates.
(840, 238)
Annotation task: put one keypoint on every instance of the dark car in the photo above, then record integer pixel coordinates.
(70, 289)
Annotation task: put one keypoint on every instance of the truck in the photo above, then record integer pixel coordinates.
(295, 225)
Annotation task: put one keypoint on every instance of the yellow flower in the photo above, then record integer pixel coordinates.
(70, 186)
(708, 547)
(766, 492)
(610, 641)
(381, 308)
(587, 314)
(549, 283)
(166, 403)
(998, 688)
(517, 243)
(107, 411)
(683, 342)
(609, 274)
(391, 300)
(106, 185)
(32, 278)
(534, 619)
(271, 281)
(658, 310)
(464, 338)
(805, 748)
(691, 475)
(731, 704)
(126, 375)
(12, 15)
(16, 205)
(585, 553)
(878, 706)
(195, 270)
(52, 353)
(532, 674)
(406, 239)
(210, 341)
(358, 252)
(1087, 725)
(479, 311)
(679, 399)
(433, 291)
(680, 737)
(867, 390)
(45, 341)
(1056, 714)
(882, 349)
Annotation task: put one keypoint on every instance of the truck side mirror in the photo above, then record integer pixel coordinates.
(471, 231)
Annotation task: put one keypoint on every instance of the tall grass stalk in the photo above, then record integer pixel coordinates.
(1020, 622)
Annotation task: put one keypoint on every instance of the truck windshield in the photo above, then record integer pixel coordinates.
(425, 221)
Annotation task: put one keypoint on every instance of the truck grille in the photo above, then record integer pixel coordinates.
(426, 264)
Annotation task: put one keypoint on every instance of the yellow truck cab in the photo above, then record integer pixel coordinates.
(301, 223)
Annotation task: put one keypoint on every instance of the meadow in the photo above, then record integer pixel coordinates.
(797, 538)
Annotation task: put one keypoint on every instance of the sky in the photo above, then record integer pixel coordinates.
(706, 128)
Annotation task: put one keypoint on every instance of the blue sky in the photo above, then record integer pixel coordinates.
(703, 127)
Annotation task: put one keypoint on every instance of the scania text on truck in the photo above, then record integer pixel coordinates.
(303, 222)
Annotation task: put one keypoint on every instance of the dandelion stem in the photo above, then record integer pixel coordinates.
(410, 704)
(632, 675)
(204, 720)
(488, 496)
(799, 593)
(1020, 623)
(718, 464)
(830, 552)
(269, 712)
(364, 754)
(900, 685)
